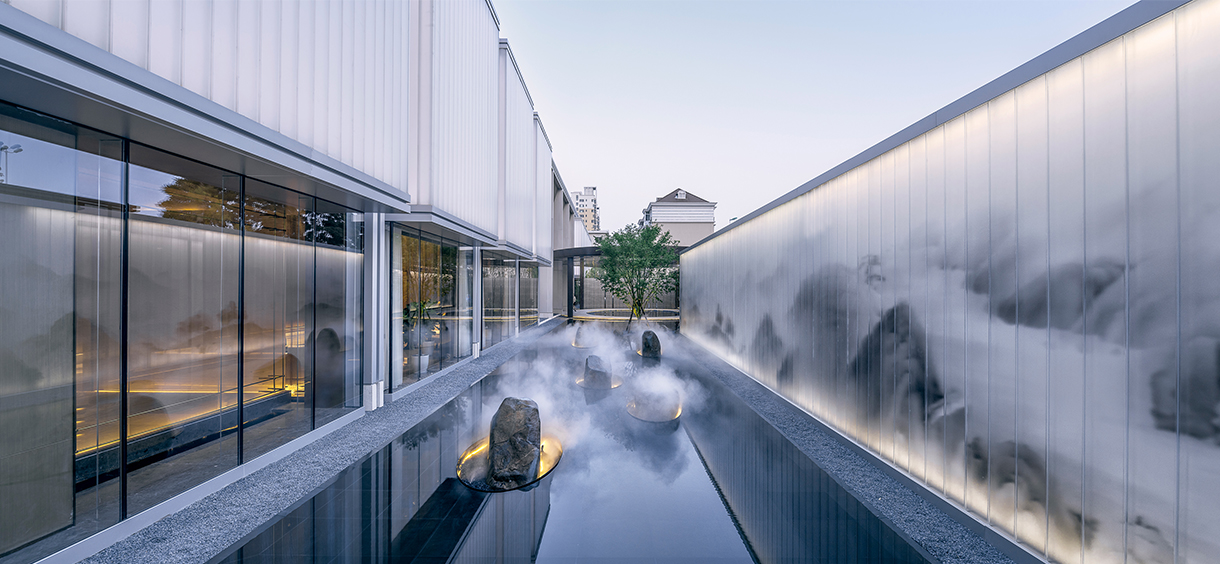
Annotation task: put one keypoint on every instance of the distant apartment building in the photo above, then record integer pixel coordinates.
(687, 217)
(586, 207)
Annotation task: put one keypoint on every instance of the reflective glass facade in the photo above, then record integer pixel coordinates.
(499, 299)
(527, 294)
(1017, 307)
(163, 321)
(433, 304)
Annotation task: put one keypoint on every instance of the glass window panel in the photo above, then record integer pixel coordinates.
(99, 240)
(60, 207)
(278, 299)
(499, 291)
(398, 304)
(338, 314)
(428, 317)
(185, 244)
(529, 294)
(447, 315)
(412, 305)
(466, 270)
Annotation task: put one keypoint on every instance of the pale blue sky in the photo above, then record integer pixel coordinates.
(741, 101)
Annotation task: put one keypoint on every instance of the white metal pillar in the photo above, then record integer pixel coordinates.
(376, 309)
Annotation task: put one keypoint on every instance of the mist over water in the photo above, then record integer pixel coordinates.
(578, 417)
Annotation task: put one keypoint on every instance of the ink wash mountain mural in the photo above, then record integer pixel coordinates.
(1020, 307)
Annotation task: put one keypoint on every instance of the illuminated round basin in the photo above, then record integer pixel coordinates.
(615, 381)
(472, 467)
(655, 412)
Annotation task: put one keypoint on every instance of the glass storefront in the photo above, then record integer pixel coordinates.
(161, 322)
(432, 305)
(527, 294)
(499, 299)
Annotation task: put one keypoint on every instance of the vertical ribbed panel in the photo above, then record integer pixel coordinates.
(581, 235)
(544, 187)
(327, 73)
(520, 160)
(1017, 307)
(465, 52)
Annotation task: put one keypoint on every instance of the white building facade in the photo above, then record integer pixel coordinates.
(234, 215)
(687, 217)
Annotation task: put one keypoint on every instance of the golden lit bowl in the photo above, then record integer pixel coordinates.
(670, 413)
(472, 467)
(615, 381)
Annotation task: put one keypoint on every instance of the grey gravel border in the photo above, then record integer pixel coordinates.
(204, 529)
(912, 515)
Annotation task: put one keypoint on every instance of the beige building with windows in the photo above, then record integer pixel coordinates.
(586, 208)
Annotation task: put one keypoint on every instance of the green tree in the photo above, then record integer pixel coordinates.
(637, 265)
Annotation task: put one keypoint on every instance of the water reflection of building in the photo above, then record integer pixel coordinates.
(229, 237)
(786, 507)
(404, 503)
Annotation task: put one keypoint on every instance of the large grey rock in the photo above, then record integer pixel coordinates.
(597, 373)
(651, 345)
(515, 445)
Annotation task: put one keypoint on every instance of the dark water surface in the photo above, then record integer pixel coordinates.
(624, 490)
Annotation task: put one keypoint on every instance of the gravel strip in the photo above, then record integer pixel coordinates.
(204, 529)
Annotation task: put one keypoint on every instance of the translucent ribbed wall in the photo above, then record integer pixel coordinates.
(544, 193)
(520, 158)
(330, 74)
(580, 236)
(1020, 307)
(464, 119)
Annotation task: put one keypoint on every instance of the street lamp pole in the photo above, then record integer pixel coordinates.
(5, 150)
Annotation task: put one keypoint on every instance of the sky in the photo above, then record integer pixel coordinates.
(741, 101)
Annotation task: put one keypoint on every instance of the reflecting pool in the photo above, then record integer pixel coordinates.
(718, 484)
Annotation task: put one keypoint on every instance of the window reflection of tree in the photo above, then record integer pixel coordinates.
(204, 204)
(200, 203)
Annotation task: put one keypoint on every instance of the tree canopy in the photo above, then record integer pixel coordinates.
(638, 264)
